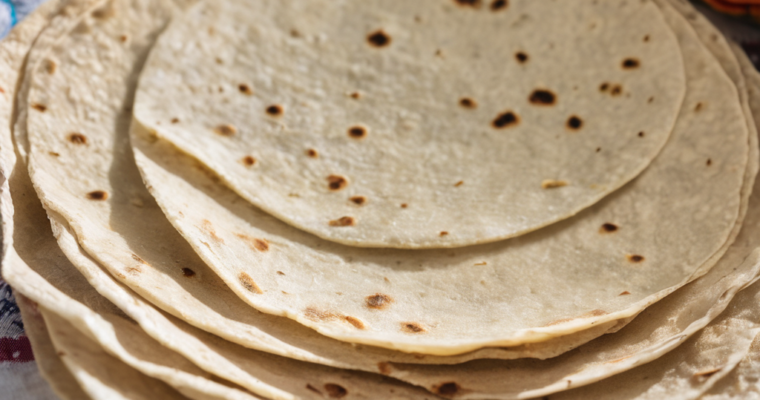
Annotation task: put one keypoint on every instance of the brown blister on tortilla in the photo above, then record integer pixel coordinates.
(317, 315)
(626, 293)
(505, 120)
(39, 107)
(384, 368)
(275, 110)
(254, 243)
(356, 322)
(50, 66)
(248, 283)
(98, 195)
(553, 184)
(412, 327)
(343, 221)
(635, 258)
(312, 153)
(608, 228)
(522, 57)
(447, 389)
(248, 161)
(542, 97)
(498, 5)
(335, 391)
(336, 182)
(467, 102)
(188, 273)
(378, 301)
(357, 132)
(225, 130)
(77, 138)
(245, 89)
(574, 123)
(469, 3)
(208, 228)
(358, 200)
(379, 39)
(631, 63)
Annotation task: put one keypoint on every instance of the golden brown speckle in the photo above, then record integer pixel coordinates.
(458, 184)
(626, 293)
(343, 221)
(77, 138)
(312, 153)
(443, 233)
(553, 184)
(467, 102)
(248, 161)
(97, 195)
(247, 282)
(225, 130)
(378, 301)
(39, 107)
(336, 182)
(358, 200)
(356, 322)
(635, 258)
(412, 327)
(245, 89)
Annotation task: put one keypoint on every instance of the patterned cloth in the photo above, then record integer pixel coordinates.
(19, 378)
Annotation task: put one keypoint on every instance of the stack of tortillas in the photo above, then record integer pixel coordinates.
(382, 199)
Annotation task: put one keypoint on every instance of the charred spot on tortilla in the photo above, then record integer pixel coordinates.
(635, 258)
(553, 184)
(604, 87)
(641, 134)
(379, 39)
(698, 107)
(709, 162)
(574, 123)
(497, 5)
(650, 100)
(358, 200)
(312, 153)
(357, 132)
(248, 283)
(356, 322)
(343, 221)
(336, 182)
(616, 90)
(98, 195)
(248, 161)
(468, 3)
(412, 327)
(384, 368)
(335, 391)
(542, 97)
(598, 149)
(521, 57)
(175, 120)
(245, 89)
(608, 228)
(631, 63)
(404, 205)
(646, 38)
(505, 120)
(188, 273)
(225, 130)
(467, 102)
(447, 389)
(50, 66)
(77, 138)
(443, 233)
(39, 107)
(275, 110)
(378, 301)
(356, 95)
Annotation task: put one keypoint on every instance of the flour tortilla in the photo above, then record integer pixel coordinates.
(198, 299)
(743, 382)
(463, 181)
(101, 375)
(50, 365)
(559, 280)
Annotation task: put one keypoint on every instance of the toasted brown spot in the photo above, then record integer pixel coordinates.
(2, 90)
(123, 38)
(553, 184)
(521, 57)
(104, 12)
(458, 184)
(357, 132)
(208, 227)
(616, 90)
(646, 38)
(275, 110)
(467, 102)
(313, 389)
(443, 233)
(635, 258)
(336, 182)
(356, 95)
(343, 221)
(50, 66)
(446, 389)
(356, 322)
(604, 87)
(598, 149)
(378, 301)
(384, 368)
(626, 293)
(245, 89)
(133, 269)
(280, 273)
(335, 391)
(247, 282)
(97, 195)
(608, 228)
(77, 138)
(54, 154)
(359, 200)
(404, 205)
(505, 120)
(175, 120)
(642, 134)
(497, 5)
(187, 272)
(255, 243)
(709, 162)
(651, 99)
(574, 123)
(312, 153)
(379, 39)
(412, 327)
(248, 161)
(706, 373)
(698, 107)
(468, 3)
(542, 97)
(630, 63)
(481, 263)
(225, 130)
(39, 107)
(316, 314)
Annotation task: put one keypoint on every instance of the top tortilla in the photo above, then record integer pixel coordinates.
(377, 123)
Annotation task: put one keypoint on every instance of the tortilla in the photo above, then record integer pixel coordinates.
(50, 365)
(555, 281)
(427, 138)
(742, 381)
